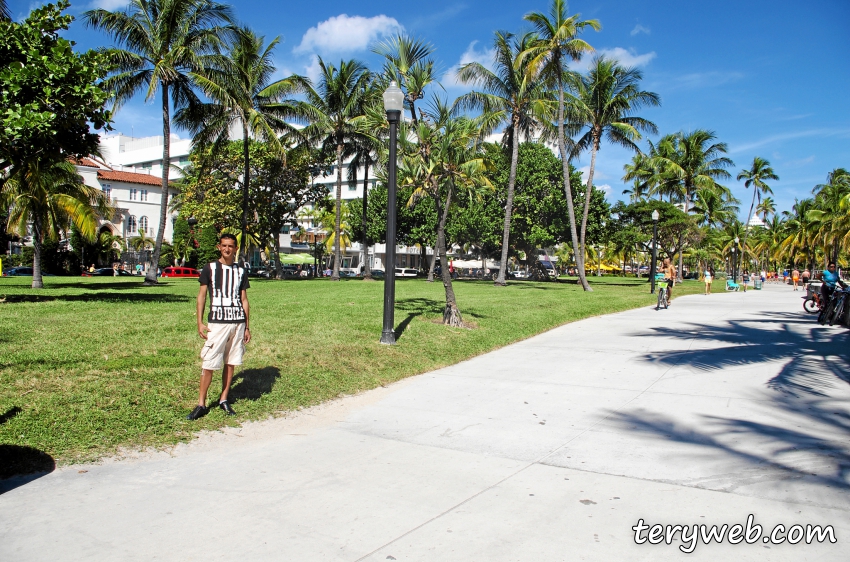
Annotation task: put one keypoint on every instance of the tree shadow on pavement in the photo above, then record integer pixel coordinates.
(252, 384)
(807, 398)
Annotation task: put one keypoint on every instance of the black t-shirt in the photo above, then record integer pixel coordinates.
(225, 284)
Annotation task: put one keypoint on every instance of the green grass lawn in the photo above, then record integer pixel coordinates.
(88, 365)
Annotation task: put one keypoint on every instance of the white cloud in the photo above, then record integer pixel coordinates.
(640, 29)
(605, 188)
(110, 5)
(471, 54)
(628, 57)
(789, 136)
(344, 33)
(313, 71)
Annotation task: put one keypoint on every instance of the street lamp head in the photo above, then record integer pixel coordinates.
(393, 98)
(655, 215)
(737, 240)
(192, 221)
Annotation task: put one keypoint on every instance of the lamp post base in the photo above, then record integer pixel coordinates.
(388, 337)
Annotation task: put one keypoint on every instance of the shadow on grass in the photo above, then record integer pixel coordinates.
(252, 384)
(21, 465)
(99, 297)
(808, 388)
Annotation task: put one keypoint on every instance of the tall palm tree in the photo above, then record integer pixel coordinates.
(510, 94)
(48, 197)
(642, 175)
(242, 96)
(365, 152)
(333, 108)
(442, 157)
(755, 177)
(829, 213)
(408, 63)
(766, 208)
(5, 14)
(159, 44)
(688, 162)
(558, 44)
(800, 233)
(603, 102)
(714, 207)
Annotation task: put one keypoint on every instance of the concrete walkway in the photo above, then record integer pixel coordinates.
(550, 449)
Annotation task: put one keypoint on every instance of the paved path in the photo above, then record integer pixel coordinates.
(550, 449)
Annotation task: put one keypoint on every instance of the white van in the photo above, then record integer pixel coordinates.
(405, 272)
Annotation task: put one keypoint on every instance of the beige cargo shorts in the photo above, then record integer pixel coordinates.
(225, 345)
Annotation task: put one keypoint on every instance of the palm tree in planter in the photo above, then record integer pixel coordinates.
(511, 94)
(243, 96)
(602, 103)
(159, 44)
(48, 197)
(558, 43)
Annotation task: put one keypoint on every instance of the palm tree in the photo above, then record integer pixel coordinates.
(557, 44)
(687, 162)
(408, 64)
(755, 177)
(333, 109)
(766, 207)
(714, 207)
(243, 95)
(365, 152)
(800, 233)
(444, 156)
(642, 175)
(603, 102)
(111, 246)
(160, 43)
(513, 95)
(49, 197)
(5, 14)
(829, 215)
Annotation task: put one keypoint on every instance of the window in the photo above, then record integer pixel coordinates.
(132, 226)
(134, 194)
(107, 190)
(143, 196)
(352, 186)
(143, 224)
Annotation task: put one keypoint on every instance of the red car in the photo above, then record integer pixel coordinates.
(181, 272)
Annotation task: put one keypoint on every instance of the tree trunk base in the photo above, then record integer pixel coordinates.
(500, 283)
(452, 317)
(149, 283)
(369, 278)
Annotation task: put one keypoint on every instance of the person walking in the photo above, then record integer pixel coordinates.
(669, 278)
(806, 275)
(227, 329)
(709, 276)
(795, 277)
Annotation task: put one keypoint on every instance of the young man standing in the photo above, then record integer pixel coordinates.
(227, 331)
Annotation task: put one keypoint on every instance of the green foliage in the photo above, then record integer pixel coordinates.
(632, 229)
(48, 93)
(207, 243)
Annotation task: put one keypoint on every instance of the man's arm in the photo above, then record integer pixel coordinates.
(247, 309)
(199, 309)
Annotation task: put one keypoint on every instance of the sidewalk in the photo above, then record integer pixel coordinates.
(549, 449)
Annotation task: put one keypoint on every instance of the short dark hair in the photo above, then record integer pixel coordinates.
(831, 263)
(227, 235)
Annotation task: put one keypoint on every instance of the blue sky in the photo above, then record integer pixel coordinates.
(769, 77)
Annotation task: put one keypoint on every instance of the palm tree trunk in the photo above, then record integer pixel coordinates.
(451, 314)
(682, 236)
(37, 239)
(506, 233)
(568, 189)
(337, 253)
(588, 191)
(432, 264)
(150, 276)
(367, 269)
(246, 183)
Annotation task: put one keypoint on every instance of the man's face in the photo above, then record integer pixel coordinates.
(227, 247)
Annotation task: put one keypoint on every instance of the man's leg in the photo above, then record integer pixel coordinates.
(226, 379)
(206, 379)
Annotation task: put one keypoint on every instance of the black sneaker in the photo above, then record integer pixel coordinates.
(225, 405)
(197, 413)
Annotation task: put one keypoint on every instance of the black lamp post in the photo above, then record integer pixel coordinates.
(735, 259)
(652, 269)
(393, 104)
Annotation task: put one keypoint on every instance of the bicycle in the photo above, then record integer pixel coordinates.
(839, 298)
(812, 301)
(662, 297)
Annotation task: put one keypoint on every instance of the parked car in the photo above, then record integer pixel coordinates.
(550, 268)
(19, 271)
(181, 272)
(405, 272)
(378, 273)
(106, 271)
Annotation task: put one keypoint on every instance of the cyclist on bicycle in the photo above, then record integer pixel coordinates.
(830, 279)
(669, 278)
